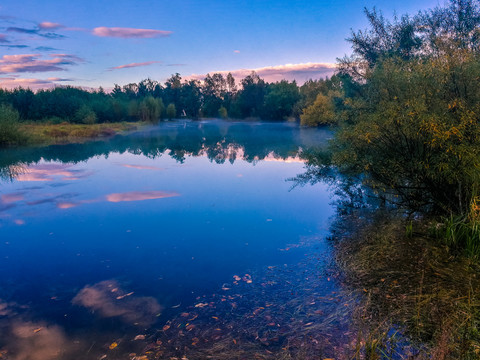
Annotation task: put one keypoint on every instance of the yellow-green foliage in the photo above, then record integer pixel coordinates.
(321, 112)
(222, 112)
(415, 130)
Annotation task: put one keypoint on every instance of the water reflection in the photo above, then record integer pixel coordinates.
(108, 299)
(111, 230)
(220, 141)
(139, 196)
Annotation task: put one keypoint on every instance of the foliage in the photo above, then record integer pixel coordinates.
(9, 129)
(321, 112)
(85, 115)
(222, 112)
(411, 126)
(151, 109)
(171, 111)
(280, 99)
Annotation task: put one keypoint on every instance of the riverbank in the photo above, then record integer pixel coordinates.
(48, 134)
(418, 300)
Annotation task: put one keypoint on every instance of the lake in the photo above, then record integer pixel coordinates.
(182, 239)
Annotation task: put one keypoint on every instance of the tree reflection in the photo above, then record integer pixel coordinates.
(219, 141)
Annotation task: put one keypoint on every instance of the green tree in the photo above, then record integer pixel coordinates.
(171, 111)
(150, 109)
(280, 100)
(85, 115)
(9, 130)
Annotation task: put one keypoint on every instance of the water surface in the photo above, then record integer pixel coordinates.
(116, 237)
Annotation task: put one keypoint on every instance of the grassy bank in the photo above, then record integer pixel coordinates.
(67, 133)
(417, 299)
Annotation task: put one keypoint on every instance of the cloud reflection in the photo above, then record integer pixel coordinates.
(141, 167)
(37, 341)
(49, 172)
(139, 196)
(12, 198)
(109, 300)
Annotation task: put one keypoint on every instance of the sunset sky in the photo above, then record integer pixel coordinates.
(93, 43)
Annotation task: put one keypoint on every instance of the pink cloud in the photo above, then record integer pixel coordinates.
(33, 63)
(298, 72)
(47, 25)
(3, 38)
(33, 84)
(139, 196)
(132, 65)
(236, 51)
(127, 33)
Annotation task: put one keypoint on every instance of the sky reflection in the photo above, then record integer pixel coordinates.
(231, 212)
(139, 196)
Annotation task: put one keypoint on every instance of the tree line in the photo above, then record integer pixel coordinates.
(216, 96)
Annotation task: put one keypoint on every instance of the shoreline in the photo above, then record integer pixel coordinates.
(68, 133)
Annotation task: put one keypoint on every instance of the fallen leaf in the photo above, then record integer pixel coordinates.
(139, 337)
(201, 305)
(37, 330)
(113, 345)
(166, 327)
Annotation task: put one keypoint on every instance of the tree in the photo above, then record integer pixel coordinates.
(151, 109)
(213, 91)
(9, 131)
(280, 100)
(251, 98)
(191, 98)
(85, 115)
(321, 112)
(171, 111)
(222, 112)
(410, 117)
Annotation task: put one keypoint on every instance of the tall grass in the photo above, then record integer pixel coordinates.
(460, 234)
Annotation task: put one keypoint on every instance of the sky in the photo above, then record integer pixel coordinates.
(92, 43)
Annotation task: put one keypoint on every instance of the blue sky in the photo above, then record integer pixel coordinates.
(95, 43)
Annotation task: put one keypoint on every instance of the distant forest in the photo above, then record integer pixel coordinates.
(215, 96)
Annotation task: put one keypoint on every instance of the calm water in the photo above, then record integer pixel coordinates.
(117, 237)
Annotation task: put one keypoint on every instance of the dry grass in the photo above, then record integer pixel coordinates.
(68, 133)
(413, 284)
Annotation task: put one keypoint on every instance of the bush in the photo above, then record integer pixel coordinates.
(10, 133)
(171, 111)
(414, 132)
